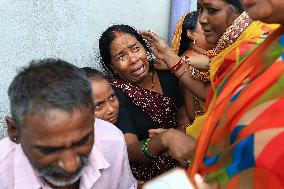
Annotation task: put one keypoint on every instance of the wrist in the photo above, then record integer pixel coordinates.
(170, 58)
(165, 138)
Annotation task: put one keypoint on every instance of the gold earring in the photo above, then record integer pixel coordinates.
(191, 36)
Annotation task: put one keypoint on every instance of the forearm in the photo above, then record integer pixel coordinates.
(155, 147)
(194, 86)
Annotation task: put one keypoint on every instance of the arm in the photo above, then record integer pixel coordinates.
(162, 51)
(176, 143)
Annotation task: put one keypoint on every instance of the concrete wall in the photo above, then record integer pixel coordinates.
(68, 29)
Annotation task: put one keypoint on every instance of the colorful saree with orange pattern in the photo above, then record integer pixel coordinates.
(224, 61)
(241, 144)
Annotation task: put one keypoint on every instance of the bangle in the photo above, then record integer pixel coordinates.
(144, 148)
(177, 66)
(185, 70)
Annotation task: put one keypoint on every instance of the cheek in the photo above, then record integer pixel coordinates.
(144, 57)
(116, 105)
(99, 113)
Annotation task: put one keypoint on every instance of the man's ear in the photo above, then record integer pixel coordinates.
(13, 130)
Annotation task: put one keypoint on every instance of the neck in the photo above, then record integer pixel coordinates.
(148, 81)
(197, 49)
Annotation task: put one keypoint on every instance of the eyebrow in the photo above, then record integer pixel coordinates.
(82, 141)
(130, 46)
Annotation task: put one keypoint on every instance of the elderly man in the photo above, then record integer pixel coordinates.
(54, 140)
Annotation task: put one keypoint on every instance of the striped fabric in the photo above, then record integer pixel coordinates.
(241, 144)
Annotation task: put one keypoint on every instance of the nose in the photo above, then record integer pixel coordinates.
(69, 161)
(110, 108)
(132, 57)
(203, 19)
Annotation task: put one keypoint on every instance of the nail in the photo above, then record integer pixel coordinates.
(198, 179)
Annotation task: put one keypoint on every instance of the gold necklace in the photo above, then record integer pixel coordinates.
(145, 84)
(152, 81)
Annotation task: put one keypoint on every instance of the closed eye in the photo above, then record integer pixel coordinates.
(83, 141)
(49, 150)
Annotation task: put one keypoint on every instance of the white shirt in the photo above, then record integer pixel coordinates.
(108, 166)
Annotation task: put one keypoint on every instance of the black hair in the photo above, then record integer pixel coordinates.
(93, 73)
(46, 84)
(189, 23)
(237, 4)
(109, 36)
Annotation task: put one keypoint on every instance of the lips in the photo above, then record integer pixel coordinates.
(207, 32)
(139, 70)
(249, 2)
(112, 119)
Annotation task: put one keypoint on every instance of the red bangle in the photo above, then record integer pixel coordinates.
(177, 66)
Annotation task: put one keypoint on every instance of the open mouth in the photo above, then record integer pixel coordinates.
(139, 71)
(207, 32)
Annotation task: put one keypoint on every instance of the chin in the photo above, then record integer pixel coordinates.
(211, 41)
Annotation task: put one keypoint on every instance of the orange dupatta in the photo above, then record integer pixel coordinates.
(250, 67)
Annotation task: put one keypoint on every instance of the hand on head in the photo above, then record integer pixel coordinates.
(158, 46)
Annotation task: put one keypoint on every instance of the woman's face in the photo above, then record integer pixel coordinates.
(200, 38)
(215, 17)
(105, 100)
(128, 58)
(269, 11)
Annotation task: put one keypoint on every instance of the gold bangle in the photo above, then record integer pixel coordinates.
(185, 70)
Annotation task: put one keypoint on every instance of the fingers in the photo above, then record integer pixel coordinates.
(156, 131)
(150, 36)
(201, 184)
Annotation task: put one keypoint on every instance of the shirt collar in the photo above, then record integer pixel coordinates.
(91, 172)
(25, 175)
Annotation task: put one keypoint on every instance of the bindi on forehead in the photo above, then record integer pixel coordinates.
(117, 33)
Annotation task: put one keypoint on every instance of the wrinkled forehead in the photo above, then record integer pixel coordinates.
(57, 123)
(123, 42)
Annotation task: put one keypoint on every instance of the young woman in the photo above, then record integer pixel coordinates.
(189, 40)
(104, 97)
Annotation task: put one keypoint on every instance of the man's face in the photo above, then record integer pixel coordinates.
(58, 143)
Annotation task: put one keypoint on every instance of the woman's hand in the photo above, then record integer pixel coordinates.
(159, 64)
(179, 145)
(201, 184)
(158, 46)
(155, 132)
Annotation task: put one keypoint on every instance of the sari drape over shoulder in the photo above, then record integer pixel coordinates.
(162, 110)
(223, 63)
(241, 143)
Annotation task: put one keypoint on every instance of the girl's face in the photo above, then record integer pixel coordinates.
(215, 17)
(105, 100)
(128, 58)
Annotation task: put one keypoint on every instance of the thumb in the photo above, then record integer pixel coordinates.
(201, 184)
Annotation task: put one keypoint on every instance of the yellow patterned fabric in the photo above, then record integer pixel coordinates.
(177, 35)
(245, 43)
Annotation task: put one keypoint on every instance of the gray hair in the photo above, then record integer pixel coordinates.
(46, 84)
